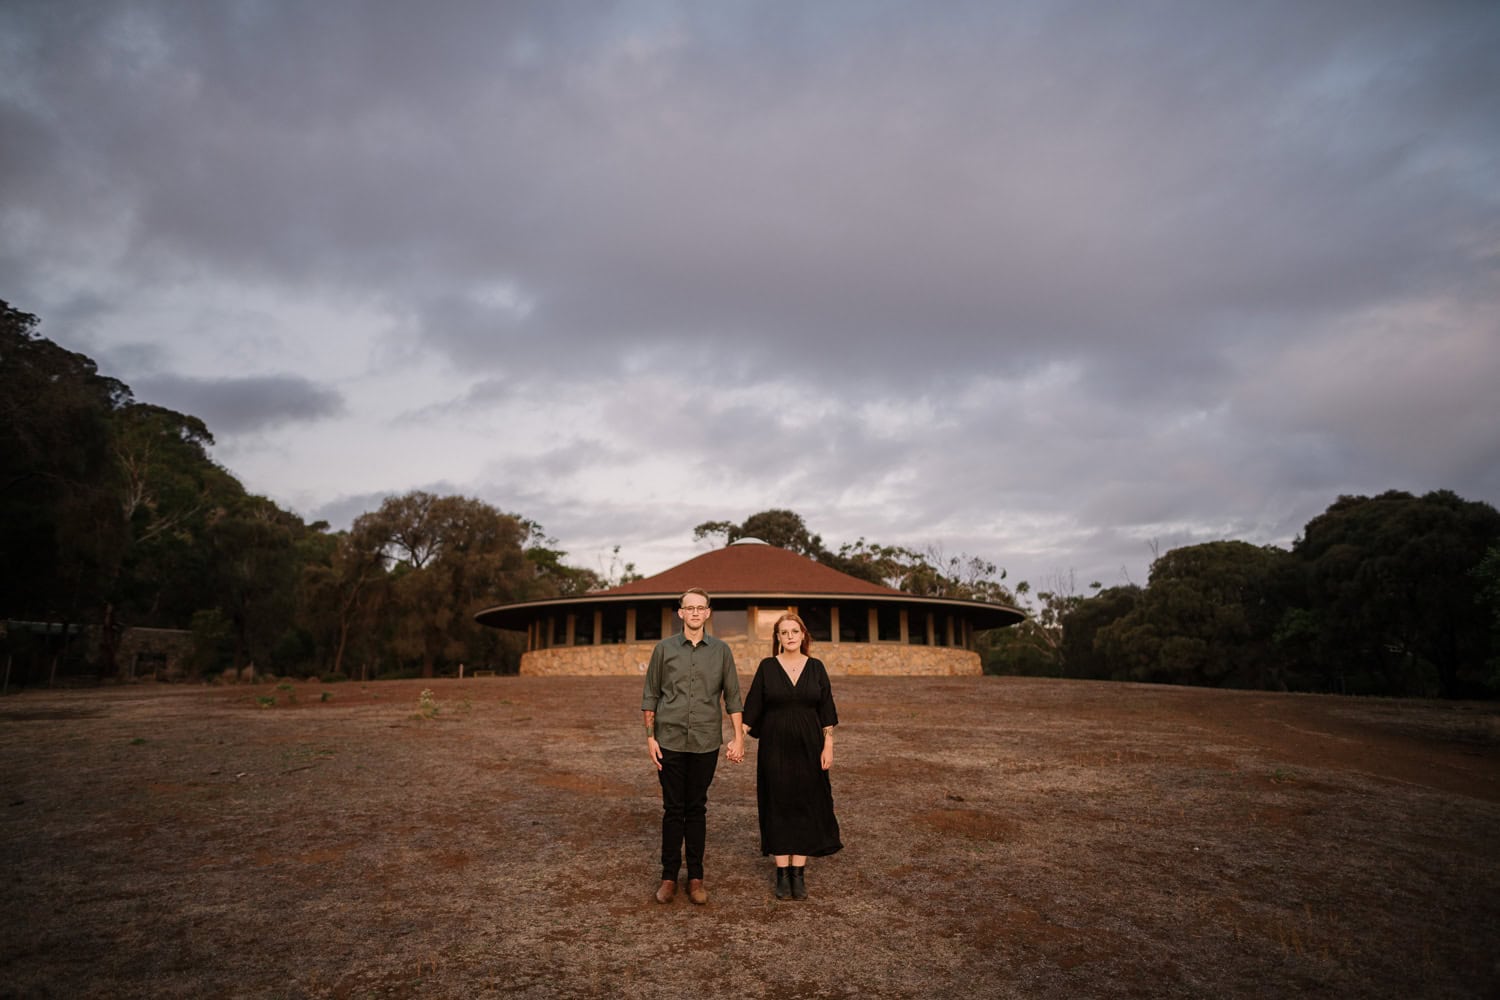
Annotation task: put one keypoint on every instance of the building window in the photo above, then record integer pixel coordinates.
(888, 622)
(940, 628)
(854, 623)
(765, 621)
(819, 621)
(559, 629)
(727, 625)
(647, 622)
(916, 628)
(612, 624)
(583, 629)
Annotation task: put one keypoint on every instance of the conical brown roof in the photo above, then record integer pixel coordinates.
(751, 567)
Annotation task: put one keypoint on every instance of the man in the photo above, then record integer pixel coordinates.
(688, 674)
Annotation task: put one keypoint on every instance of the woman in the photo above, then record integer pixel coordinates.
(790, 710)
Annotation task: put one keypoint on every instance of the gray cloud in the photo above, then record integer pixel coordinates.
(1063, 276)
(238, 405)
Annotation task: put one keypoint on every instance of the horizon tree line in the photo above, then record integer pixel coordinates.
(113, 515)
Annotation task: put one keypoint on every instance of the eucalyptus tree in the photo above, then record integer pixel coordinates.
(1208, 616)
(343, 593)
(448, 557)
(60, 534)
(1080, 625)
(784, 529)
(1393, 595)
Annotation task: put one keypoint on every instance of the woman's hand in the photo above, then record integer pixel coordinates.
(826, 758)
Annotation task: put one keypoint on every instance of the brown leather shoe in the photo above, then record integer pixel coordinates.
(696, 892)
(667, 891)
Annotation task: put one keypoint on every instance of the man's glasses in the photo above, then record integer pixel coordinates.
(690, 608)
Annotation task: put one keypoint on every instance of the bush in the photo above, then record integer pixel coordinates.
(213, 642)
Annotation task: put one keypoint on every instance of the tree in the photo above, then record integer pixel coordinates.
(167, 490)
(1080, 625)
(1205, 617)
(552, 575)
(1392, 591)
(255, 566)
(113, 514)
(1487, 576)
(59, 531)
(618, 572)
(1034, 646)
(887, 565)
(929, 574)
(449, 557)
(784, 529)
(160, 456)
(342, 593)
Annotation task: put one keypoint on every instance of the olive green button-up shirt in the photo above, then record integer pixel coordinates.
(684, 683)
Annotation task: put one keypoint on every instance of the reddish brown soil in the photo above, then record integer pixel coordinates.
(1005, 838)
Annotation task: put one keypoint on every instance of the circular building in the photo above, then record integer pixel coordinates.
(857, 627)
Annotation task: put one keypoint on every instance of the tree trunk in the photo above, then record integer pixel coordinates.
(109, 643)
(338, 655)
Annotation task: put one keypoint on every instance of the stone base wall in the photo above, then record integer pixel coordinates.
(160, 653)
(847, 658)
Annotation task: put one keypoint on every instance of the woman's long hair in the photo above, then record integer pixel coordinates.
(776, 634)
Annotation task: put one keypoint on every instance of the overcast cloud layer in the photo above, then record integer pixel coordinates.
(1049, 283)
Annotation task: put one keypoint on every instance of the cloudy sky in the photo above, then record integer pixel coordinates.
(1049, 283)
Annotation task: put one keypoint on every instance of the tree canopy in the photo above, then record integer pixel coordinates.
(1392, 594)
(114, 514)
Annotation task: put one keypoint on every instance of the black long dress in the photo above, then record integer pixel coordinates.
(791, 787)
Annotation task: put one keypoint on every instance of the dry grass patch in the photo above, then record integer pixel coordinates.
(1005, 838)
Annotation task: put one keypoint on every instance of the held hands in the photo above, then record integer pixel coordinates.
(735, 750)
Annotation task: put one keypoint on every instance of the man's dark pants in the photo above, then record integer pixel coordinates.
(685, 778)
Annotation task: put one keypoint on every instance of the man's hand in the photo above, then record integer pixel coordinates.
(654, 749)
(736, 751)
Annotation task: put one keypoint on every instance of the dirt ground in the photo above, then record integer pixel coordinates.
(1005, 837)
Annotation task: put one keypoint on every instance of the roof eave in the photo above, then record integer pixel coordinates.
(983, 614)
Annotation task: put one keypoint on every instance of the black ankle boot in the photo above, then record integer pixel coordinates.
(799, 887)
(783, 885)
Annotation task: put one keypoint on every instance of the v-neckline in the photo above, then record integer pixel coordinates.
(788, 674)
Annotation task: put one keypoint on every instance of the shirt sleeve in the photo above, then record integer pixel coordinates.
(651, 690)
(732, 702)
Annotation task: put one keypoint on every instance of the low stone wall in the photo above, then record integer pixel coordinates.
(848, 658)
(160, 653)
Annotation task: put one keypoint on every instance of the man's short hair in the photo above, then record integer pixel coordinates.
(694, 590)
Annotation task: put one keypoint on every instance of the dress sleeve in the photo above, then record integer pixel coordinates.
(828, 715)
(755, 703)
